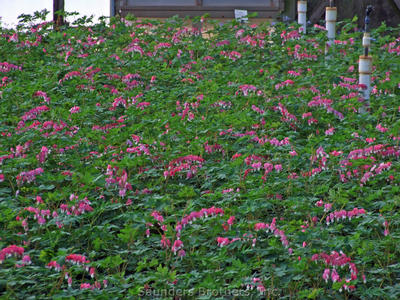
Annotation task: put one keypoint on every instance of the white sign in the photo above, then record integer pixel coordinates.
(241, 15)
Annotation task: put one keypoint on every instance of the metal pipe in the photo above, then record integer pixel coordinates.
(365, 61)
(366, 38)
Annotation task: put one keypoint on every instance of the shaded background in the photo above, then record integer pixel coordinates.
(384, 10)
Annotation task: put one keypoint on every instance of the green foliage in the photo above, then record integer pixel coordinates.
(147, 123)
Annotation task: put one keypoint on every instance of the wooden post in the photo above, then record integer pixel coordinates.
(58, 5)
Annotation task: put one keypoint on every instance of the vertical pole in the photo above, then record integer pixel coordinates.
(57, 19)
(330, 24)
(365, 61)
(112, 8)
(302, 15)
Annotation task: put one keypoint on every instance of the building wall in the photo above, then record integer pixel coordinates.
(215, 8)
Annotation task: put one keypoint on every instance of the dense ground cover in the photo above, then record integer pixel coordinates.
(144, 158)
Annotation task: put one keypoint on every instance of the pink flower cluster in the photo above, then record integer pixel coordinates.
(254, 41)
(43, 95)
(284, 83)
(273, 229)
(191, 163)
(162, 45)
(26, 260)
(256, 164)
(9, 251)
(286, 115)
(7, 67)
(123, 184)
(245, 89)
(349, 96)
(336, 260)
(139, 150)
(343, 214)
(380, 149)
(351, 87)
(327, 206)
(157, 216)
(300, 54)
(257, 109)
(213, 148)
(77, 259)
(380, 128)
(228, 223)
(42, 156)
(286, 36)
(233, 55)
(69, 76)
(13, 38)
(319, 27)
(223, 105)
(42, 214)
(96, 285)
(74, 109)
(193, 216)
(177, 246)
(34, 112)
(256, 282)
(274, 141)
(368, 175)
(311, 119)
(386, 226)
(28, 176)
(327, 104)
(131, 80)
(80, 208)
(222, 241)
(186, 112)
(133, 47)
(53, 264)
(122, 180)
(39, 215)
(393, 47)
(330, 131)
(294, 73)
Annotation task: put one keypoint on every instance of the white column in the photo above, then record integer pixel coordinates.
(365, 71)
(330, 26)
(302, 15)
(330, 18)
(366, 42)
